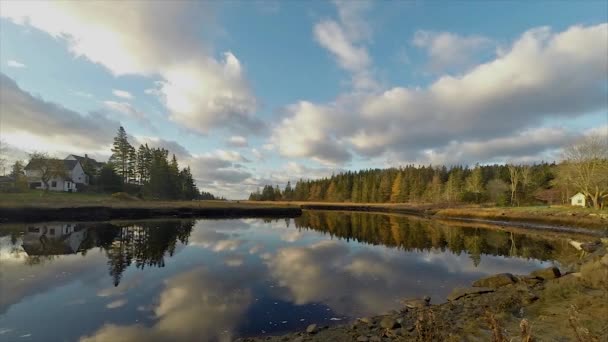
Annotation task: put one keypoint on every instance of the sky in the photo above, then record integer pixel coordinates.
(261, 92)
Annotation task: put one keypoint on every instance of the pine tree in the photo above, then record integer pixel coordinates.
(288, 192)
(384, 192)
(120, 154)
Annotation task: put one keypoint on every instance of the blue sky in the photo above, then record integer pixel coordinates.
(254, 92)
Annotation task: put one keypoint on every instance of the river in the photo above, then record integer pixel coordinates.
(215, 280)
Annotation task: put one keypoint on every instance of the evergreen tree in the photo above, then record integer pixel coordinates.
(121, 154)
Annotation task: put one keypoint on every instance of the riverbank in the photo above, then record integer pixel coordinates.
(541, 216)
(38, 207)
(547, 305)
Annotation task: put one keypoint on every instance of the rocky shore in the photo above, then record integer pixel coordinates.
(549, 304)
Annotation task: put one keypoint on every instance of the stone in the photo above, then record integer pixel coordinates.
(366, 320)
(460, 292)
(496, 281)
(415, 303)
(375, 339)
(529, 280)
(311, 329)
(547, 273)
(591, 247)
(362, 339)
(298, 339)
(389, 323)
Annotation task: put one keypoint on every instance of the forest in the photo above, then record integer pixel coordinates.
(584, 169)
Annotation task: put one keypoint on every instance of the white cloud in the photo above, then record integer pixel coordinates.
(15, 64)
(447, 50)
(122, 94)
(543, 75)
(346, 38)
(237, 141)
(126, 109)
(34, 124)
(200, 92)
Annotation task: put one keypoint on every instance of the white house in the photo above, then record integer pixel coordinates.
(579, 200)
(74, 175)
(54, 239)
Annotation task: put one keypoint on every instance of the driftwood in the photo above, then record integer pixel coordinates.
(576, 244)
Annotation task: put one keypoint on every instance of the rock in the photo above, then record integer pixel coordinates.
(496, 281)
(415, 303)
(298, 339)
(530, 280)
(362, 339)
(389, 323)
(366, 320)
(460, 292)
(547, 273)
(591, 247)
(311, 329)
(375, 339)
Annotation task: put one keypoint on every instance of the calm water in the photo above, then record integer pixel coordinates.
(214, 280)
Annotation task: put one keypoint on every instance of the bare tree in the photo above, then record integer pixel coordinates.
(514, 175)
(47, 168)
(586, 165)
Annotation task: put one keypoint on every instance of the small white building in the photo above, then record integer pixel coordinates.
(578, 200)
(74, 174)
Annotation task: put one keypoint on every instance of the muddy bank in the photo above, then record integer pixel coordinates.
(547, 305)
(109, 213)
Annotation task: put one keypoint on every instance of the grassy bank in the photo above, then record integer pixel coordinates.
(554, 215)
(40, 199)
(37, 206)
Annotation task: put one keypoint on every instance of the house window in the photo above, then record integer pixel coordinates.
(53, 184)
(52, 231)
(33, 230)
(579, 201)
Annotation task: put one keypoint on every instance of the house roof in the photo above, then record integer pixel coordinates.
(578, 193)
(81, 159)
(69, 165)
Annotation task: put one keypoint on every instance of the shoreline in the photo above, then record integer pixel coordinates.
(107, 213)
(535, 305)
(506, 216)
(540, 218)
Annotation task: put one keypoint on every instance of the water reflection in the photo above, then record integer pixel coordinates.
(215, 280)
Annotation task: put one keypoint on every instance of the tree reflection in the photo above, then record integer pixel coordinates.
(142, 244)
(414, 234)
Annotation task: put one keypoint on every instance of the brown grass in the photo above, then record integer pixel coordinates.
(556, 215)
(40, 199)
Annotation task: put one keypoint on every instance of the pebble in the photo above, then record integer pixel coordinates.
(311, 329)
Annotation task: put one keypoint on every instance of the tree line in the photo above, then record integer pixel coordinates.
(147, 172)
(584, 169)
